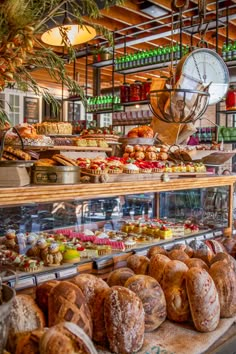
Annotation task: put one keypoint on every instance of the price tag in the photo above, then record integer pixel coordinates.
(141, 252)
(202, 237)
(209, 235)
(67, 272)
(218, 233)
(23, 283)
(45, 277)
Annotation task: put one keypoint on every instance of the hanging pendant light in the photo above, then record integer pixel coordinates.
(68, 33)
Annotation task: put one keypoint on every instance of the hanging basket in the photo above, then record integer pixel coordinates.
(178, 105)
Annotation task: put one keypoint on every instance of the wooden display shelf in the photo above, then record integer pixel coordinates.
(80, 148)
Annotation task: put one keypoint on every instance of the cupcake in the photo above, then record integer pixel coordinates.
(131, 168)
(129, 243)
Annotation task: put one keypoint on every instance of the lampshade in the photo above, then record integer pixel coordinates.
(76, 34)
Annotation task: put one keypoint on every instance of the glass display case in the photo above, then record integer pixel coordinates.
(50, 232)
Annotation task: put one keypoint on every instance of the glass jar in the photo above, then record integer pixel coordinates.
(231, 98)
(125, 92)
(136, 91)
(146, 89)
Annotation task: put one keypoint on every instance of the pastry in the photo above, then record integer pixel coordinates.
(66, 302)
(45, 162)
(157, 265)
(66, 337)
(165, 232)
(152, 296)
(71, 256)
(203, 299)
(225, 281)
(119, 276)
(122, 308)
(139, 264)
(130, 168)
(54, 256)
(63, 160)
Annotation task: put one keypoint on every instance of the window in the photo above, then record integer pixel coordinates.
(14, 109)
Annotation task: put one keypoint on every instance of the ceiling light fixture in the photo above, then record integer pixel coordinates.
(152, 9)
(68, 33)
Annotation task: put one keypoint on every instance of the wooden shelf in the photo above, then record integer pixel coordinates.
(80, 148)
(147, 67)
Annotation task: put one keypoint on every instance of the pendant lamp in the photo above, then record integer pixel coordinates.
(68, 33)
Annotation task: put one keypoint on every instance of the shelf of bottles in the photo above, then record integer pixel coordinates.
(103, 104)
(149, 59)
(204, 135)
(229, 51)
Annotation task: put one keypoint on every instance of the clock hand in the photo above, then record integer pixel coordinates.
(204, 69)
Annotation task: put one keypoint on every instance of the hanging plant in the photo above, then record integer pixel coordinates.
(21, 24)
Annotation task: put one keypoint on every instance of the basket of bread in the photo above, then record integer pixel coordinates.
(143, 135)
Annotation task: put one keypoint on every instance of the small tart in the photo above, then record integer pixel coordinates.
(131, 168)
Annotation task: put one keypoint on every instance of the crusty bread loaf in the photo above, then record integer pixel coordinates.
(215, 245)
(152, 297)
(157, 265)
(119, 276)
(227, 258)
(28, 342)
(89, 285)
(42, 292)
(156, 250)
(179, 255)
(173, 284)
(66, 302)
(66, 337)
(196, 262)
(203, 299)
(230, 245)
(97, 311)
(225, 282)
(139, 264)
(124, 320)
(183, 247)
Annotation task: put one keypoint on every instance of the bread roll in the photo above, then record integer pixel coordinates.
(225, 282)
(66, 338)
(196, 262)
(173, 284)
(28, 342)
(157, 265)
(178, 255)
(89, 285)
(119, 276)
(152, 297)
(42, 292)
(139, 264)
(97, 311)
(124, 320)
(66, 302)
(227, 258)
(156, 250)
(181, 246)
(203, 299)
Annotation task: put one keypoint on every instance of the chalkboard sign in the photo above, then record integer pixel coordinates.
(31, 110)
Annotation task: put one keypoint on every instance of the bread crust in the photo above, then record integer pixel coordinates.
(63, 160)
(66, 302)
(157, 265)
(225, 281)
(124, 320)
(156, 250)
(226, 258)
(196, 262)
(97, 311)
(152, 296)
(203, 299)
(178, 255)
(139, 264)
(28, 342)
(42, 293)
(119, 276)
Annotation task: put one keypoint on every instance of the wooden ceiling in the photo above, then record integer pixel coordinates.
(136, 30)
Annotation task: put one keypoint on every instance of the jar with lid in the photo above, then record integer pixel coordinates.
(136, 91)
(146, 89)
(231, 98)
(125, 92)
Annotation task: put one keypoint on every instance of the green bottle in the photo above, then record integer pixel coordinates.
(234, 51)
(134, 62)
(229, 51)
(224, 52)
(159, 53)
(163, 54)
(142, 61)
(168, 53)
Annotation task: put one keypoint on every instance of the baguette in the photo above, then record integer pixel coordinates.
(63, 160)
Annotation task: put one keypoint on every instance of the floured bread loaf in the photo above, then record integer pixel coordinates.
(225, 281)
(173, 284)
(139, 264)
(196, 262)
(28, 342)
(97, 311)
(119, 276)
(66, 337)
(226, 258)
(89, 285)
(203, 299)
(66, 302)
(156, 250)
(152, 297)
(124, 320)
(157, 265)
(179, 255)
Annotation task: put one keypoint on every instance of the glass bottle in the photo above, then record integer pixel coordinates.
(224, 51)
(231, 98)
(234, 51)
(136, 91)
(229, 51)
(125, 92)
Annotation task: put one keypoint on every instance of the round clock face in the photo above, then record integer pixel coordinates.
(206, 65)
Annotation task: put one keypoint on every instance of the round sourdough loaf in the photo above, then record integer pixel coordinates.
(157, 265)
(226, 258)
(42, 292)
(179, 255)
(139, 264)
(152, 296)
(203, 299)
(66, 302)
(66, 337)
(196, 262)
(173, 284)
(28, 342)
(225, 281)
(156, 250)
(124, 320)
(119, 276)
(181, 246)
(89, 285)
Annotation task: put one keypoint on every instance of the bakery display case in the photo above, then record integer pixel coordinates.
(57, 231)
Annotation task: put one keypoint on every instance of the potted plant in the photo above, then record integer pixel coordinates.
(102, 53)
